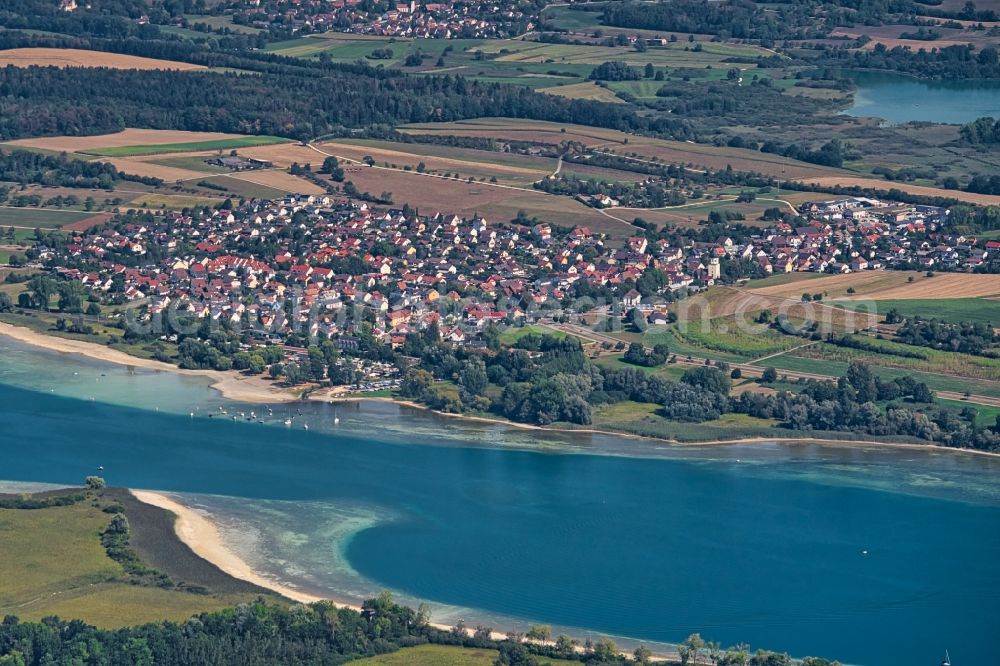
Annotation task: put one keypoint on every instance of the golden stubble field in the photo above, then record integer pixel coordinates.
(890, 285)
(849, 181)
(620, 143)
(82, 58)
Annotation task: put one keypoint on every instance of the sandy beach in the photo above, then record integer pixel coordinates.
(231, 384)
(202, 536)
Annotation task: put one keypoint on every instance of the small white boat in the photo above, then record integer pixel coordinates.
(947, 659)
(305, 426)
(288, 422)
(336, 420)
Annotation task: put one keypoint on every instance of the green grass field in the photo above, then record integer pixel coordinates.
(52, 563)
(977, 310)
(936, 381)
(432, 655)
(244, 188)
(43, 218)
(644, 419)
(193, 146)
(512, 335)
(443, 655)
(191, 163)
(986, 415)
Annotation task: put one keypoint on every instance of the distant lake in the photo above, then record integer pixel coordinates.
(901, 99)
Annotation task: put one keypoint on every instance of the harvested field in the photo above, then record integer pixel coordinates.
(283, 154)
(83, 225)
(944, 286)
(434, 194)
(677, 152)
(522, 130)
(44, 218)
(173, 201)
(885, 186)
(127, 137)
(279, 180)
(891, 285)
(507, 173)
(734, 311)
(169, 174)
(214, 145)
(81, 58)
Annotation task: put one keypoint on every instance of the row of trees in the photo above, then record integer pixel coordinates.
(24, 167)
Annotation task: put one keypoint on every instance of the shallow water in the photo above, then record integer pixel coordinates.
(761, 544)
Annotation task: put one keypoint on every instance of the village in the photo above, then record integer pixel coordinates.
(473, 20)
(320, 267)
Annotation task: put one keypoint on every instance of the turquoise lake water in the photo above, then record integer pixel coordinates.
(900, 99)
(761, 544)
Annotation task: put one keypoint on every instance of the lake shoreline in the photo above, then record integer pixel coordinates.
(232, 385)
(201, 534)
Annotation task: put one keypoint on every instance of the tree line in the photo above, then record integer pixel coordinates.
(24, 167)
(321, 634)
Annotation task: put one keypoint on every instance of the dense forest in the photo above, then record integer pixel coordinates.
(795, 19)
(282, 98)
(738, 19)
(949, 62)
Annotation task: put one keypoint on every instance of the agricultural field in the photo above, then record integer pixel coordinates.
(148, 140)
(836, 368)
(976, 310)
(507, 169)
(169, 174)
(175, 201)
(433, 193)
(45, 218)
(629, 145)
(244, 188)
(678, 54)
(890, 285)
(191, 146)
(195, 162)
(49, 57)
(934, 361)
(586, 90)
(725, 334)
(849, 181)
